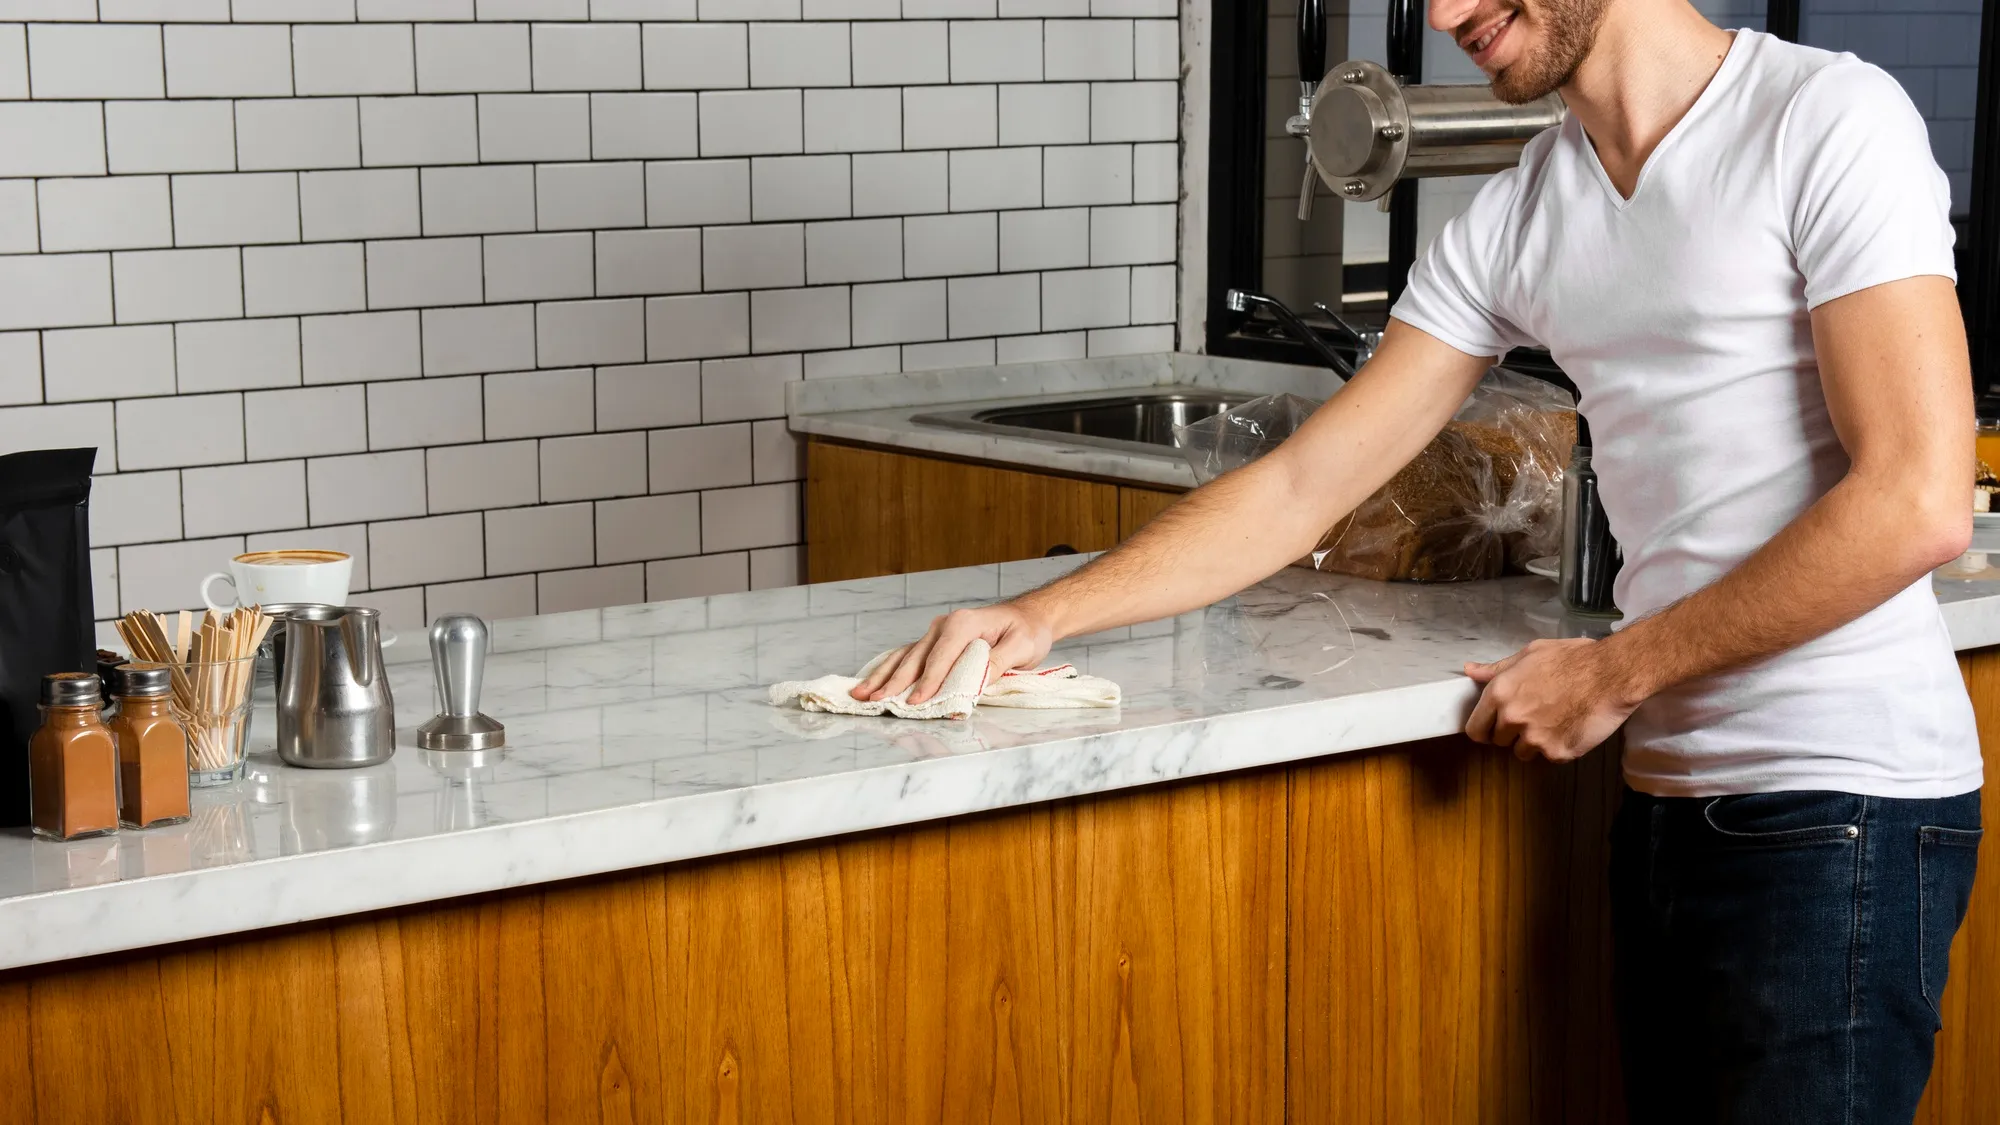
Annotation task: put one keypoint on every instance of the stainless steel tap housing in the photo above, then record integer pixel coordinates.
(1368, 131)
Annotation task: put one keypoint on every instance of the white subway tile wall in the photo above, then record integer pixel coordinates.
(501, 296)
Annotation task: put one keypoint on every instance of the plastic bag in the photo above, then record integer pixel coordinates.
(1486, 494)
(45, 597)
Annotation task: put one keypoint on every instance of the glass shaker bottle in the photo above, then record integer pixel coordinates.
(72, 761)
(152, 748)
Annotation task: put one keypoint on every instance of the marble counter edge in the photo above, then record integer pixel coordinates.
(1973, 621)
(213, 902)
(129, 914)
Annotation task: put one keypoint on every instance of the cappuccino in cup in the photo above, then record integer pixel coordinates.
(264, 577)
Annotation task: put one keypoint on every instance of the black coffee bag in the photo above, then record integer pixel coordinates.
(45, 600)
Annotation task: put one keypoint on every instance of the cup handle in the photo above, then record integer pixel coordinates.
(210, 581)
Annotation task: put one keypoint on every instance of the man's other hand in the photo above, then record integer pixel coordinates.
(1553, 699)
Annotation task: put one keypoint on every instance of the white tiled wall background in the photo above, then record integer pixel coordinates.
(500, 296)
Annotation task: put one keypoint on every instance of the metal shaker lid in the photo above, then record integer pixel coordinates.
(142, 679)
(71, 689)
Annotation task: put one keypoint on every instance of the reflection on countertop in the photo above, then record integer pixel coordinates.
(641, 735)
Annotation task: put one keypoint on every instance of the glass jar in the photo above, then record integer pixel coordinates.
(72, 761)
(152, 748)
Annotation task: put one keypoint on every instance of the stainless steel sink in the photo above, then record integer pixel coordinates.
(1140, 421)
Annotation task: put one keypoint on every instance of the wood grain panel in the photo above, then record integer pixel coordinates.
(1437, 973)
(870, 512)
(1171, 924)
(17, 1072)
(1002, 1017)
(605, 952)
(1137, 506)
(1965, 1079)
(1412, 935)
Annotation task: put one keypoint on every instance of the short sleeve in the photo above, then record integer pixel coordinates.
(1867, 201)
(1451, 293)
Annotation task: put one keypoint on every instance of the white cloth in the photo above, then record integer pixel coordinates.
(1798, 176)
(964, 688)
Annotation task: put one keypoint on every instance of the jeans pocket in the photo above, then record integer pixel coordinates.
(1788, 819)
(1946, 861)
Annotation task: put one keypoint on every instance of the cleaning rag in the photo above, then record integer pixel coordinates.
(964, 687)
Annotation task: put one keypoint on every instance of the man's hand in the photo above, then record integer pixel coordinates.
(1554, 699)
(1019, 635)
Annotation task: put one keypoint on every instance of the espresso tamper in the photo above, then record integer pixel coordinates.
(458, 662)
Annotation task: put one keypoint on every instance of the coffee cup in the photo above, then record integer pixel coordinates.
(265, 577)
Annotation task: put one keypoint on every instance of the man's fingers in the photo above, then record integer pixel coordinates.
(1484, 673)
(904, 671)
(865, 686)
(907, 667)
(1479, 728)
(950, 645)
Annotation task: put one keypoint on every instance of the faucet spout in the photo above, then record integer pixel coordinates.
(1240, 300)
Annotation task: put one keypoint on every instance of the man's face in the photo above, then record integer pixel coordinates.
(1528, 48)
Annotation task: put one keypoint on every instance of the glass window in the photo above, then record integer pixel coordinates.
(1932, 47)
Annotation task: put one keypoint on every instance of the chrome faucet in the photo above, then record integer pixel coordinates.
(1363, 342)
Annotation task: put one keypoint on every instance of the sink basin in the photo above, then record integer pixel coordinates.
(1142, 420)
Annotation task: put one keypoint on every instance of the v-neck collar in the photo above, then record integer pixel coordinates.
(1739, 47)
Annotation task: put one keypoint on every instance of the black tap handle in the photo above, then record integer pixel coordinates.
(1312, 41)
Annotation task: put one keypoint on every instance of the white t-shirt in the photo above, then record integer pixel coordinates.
(1798, 176)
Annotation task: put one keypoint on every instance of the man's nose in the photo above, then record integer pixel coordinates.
(1448, 15)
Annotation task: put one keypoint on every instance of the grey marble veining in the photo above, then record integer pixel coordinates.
(640, 735)
(881, 409)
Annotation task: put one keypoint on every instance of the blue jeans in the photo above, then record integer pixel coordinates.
(1779, 956)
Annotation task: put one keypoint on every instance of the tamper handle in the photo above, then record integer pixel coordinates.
(458, 661)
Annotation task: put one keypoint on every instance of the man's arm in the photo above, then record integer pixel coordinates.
(1227, 534)
(1898, 387)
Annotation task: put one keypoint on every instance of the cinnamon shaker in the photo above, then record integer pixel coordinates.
(152, 748)
(72, 761)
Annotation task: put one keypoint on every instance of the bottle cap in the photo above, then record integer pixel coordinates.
(71, 689)
(143, 679)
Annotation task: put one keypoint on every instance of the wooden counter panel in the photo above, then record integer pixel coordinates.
(1416, 934)
(871, 512)
(1111, 960)
(1441, 969)
(1965, 1079)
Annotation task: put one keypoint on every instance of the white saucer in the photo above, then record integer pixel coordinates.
(1548, 566)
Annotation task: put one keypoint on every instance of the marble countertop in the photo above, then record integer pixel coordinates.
(883, 410)
(640, 735)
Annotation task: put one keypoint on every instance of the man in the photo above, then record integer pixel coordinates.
(1739, 250)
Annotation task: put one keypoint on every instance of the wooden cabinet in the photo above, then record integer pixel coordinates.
(874, 511)
(1417, 934)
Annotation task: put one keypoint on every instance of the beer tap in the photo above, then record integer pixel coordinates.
(1312, 67)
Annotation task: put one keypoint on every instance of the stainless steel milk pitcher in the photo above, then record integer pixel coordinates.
(334, 707)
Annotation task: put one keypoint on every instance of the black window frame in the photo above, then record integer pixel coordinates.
(1239, 62)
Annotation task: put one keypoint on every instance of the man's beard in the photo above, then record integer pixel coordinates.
(1569, 28)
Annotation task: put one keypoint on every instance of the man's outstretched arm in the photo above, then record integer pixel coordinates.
(1228, 533)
